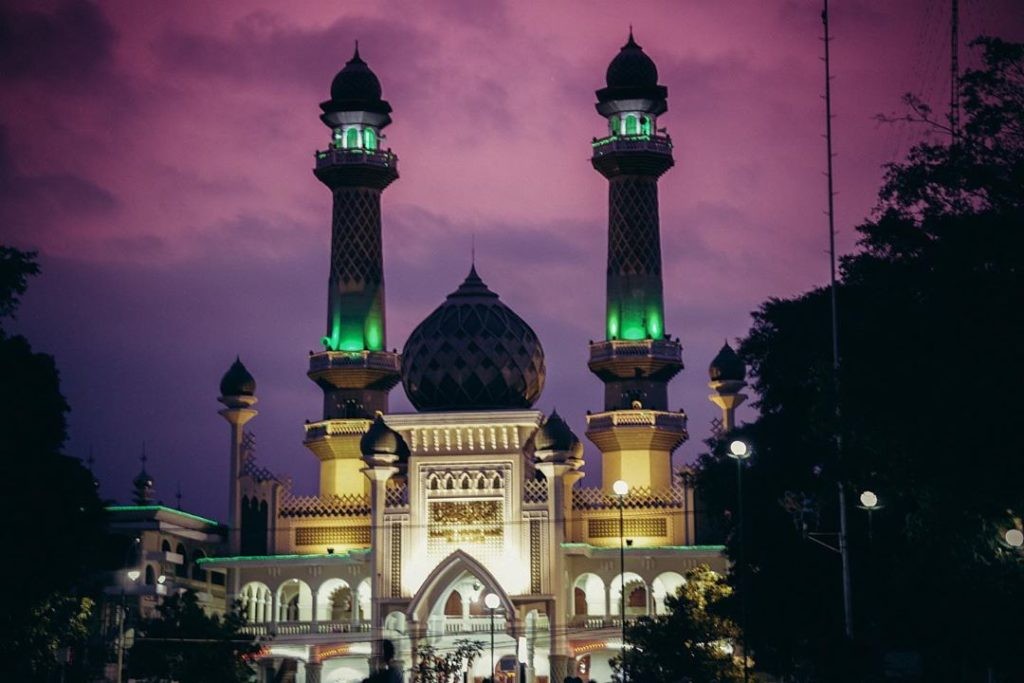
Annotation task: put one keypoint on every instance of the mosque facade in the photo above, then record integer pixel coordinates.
(469, 517)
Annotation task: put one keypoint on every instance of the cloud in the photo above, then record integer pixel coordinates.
(31, 206)
(68, 46)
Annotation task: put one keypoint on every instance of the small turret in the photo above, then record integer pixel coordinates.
(238, 394)
(382, 445)
(728, 378)
(142, 485)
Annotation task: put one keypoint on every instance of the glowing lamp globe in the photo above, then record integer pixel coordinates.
(491, 601)
(739, 450)
(134, 574)
(620, 488)
(1014, 538)
(869, 500)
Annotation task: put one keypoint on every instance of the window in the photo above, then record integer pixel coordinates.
(181, 569)
(150, 576)
(370, 139)
(165, 546)
(336, 138)
(613, 124)
(631, 125)
(352, 138)
(198, 573)
(645, 125)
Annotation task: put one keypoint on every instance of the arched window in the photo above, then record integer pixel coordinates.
(453, 606)
(370, 139)
(165, 546)
(198, 573)
(613, 124)
(631, 125)
(181, 569)
(150, 576)
(579, 600)
(336, 138)
(645, 125)
(352, 138)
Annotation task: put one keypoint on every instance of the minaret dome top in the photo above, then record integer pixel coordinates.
(355, 89)
(632, 77)
(237, 381)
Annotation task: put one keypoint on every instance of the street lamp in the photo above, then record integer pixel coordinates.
(491, 601)
(1014, 538)
(740, 451)
(621, 489)
(869, 502)
(133, 575)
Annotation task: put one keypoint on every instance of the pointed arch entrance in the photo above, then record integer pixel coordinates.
(463, 575)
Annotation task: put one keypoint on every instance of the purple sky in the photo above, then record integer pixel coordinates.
(158, 156)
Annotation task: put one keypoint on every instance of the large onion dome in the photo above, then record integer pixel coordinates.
(356, 88)
(556, 435)
(237, 381)
(727, 366)
(382, 440)
(473, 353)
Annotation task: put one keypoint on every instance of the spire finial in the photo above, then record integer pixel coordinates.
(356, 55)
(143, 458)
(472, 250)
(177, 496)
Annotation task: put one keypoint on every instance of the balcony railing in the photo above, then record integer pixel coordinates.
(619, 348)
(334, 157)
(637, 418)
(382, 360)
(633, 143)
(298, 628)
(474, 624)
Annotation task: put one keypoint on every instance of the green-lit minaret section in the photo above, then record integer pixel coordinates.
(637, 358)
(354, 369)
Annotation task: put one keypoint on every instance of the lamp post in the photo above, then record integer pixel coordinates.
(133, 575)
(621, 489)
(740, 451)
(491, 601)
(869, 503)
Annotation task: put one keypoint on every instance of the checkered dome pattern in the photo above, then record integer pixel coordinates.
(473, 353)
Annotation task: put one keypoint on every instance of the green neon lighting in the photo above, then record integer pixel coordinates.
(374, 340)
(159, 508)
(631, 125)
(654, 329)
(370, 139)
(640, 549)
(263, 558)
(645, 125)
(352, 138)
(613, 125)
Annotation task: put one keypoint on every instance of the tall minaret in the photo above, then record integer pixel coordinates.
(238, 394)
(636, 434)
(355, 370)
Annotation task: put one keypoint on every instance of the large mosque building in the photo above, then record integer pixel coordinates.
(420, 517)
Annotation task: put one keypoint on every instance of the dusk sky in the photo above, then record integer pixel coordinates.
(158, 156)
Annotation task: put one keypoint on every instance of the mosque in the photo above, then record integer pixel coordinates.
(468, 518)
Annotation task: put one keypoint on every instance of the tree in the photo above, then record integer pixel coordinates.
(48, 499)
(434, 666)
(185, 644)
(692, 642)
(929, 306)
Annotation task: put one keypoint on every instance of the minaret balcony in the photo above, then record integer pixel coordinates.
(624, 359)
(355, 369)
(356, 167)
(342, 156)
(638, 429)
(661, 144)
(616, 155)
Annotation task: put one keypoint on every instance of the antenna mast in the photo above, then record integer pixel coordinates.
(837, 439)
(954, 71)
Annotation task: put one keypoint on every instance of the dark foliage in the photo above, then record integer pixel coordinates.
(930, 307)
(185, 644)
(54, 530)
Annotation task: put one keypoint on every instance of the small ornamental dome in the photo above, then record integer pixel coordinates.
(380, 439)
(631, 67)
(237, 381)
(727, 366)
(355, 81)
(555, 435)
(473, 353)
